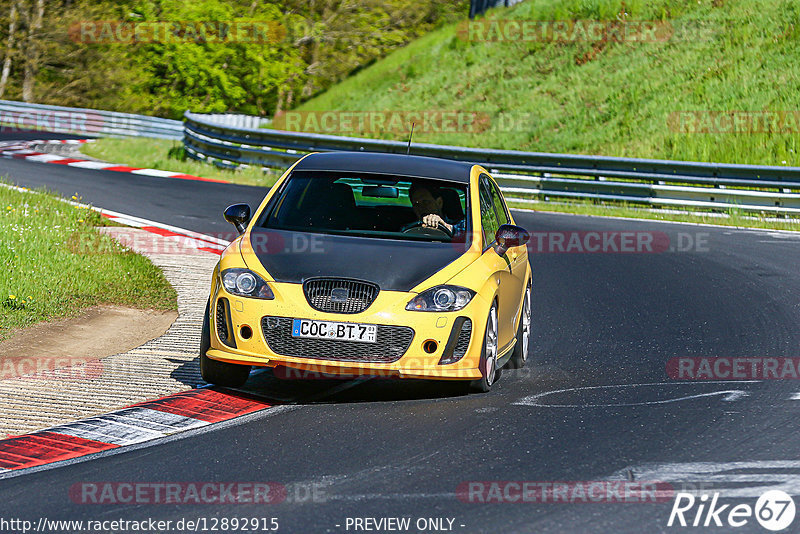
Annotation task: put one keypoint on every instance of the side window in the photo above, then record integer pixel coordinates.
(499, 206)
(488, 214)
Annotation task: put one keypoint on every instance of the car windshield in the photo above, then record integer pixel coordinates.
(371, 205)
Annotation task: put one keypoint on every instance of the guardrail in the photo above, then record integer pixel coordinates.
(525, 176)
(236, 120)
(232, 140)
(89, 122)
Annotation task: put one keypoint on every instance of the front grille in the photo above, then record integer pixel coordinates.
(323, 294)
(390, 344)
(222, 322)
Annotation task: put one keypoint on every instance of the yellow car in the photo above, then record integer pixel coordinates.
(366, 264)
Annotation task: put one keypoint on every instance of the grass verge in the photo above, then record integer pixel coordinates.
(44, 277)
(167, 155)
(669, 98)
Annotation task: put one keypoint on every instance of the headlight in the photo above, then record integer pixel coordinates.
(245, 283)
(441, 298)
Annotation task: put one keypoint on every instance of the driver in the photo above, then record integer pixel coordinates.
(427, 202)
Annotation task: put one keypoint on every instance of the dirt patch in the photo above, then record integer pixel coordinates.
(98, 332)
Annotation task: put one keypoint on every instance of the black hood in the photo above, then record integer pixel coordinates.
(394, 265)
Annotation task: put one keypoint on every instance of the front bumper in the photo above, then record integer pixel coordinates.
(400, 356)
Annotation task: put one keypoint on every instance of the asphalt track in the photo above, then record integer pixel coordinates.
(378, 448)
(13, 134)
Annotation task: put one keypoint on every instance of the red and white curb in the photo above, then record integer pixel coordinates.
(135, 424)
(30, 403)
(22, 150)
(184, 239)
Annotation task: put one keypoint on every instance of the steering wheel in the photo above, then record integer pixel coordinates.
(416, 228)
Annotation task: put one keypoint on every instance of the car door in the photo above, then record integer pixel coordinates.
(500, 266)
(518, 256)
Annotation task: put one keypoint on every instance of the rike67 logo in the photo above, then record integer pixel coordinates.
(774, 510)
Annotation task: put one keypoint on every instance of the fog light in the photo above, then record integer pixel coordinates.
(246, 332)
(430, 346)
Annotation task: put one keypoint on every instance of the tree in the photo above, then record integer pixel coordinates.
(32, 15)
(340, 36)
(12, 34)
(194, 65)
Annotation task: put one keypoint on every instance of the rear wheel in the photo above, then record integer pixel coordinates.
(219, 373)
(488, 361)
(520, 354)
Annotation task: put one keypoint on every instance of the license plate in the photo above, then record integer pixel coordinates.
(331, 330)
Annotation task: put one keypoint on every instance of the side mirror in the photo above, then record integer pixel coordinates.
(509, 236)
(238, 215)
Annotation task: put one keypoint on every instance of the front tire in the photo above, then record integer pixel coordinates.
(220, 373)
(520, 355)
(488, 361)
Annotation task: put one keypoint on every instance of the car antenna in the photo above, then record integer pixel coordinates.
(408, 149)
